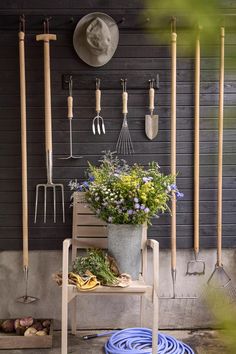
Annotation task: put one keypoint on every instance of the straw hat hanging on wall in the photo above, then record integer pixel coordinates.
(96, 38)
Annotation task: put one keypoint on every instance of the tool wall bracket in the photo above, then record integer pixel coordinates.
(85, 80)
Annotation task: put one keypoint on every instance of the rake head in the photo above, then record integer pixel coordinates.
(45, 187)
(124, 143)
(221, 281)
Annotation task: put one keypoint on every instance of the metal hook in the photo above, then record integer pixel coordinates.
(22, 23)
(124, 83)
(122, 20)
(173, 24)
(98, 82)
(151, 83)
(46, 24)
(70, 85)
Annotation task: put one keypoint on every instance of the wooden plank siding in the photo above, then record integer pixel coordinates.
(139, 56)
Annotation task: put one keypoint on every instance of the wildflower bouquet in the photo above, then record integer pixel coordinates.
(123, 194)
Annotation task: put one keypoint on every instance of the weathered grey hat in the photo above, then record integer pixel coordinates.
(95, 39)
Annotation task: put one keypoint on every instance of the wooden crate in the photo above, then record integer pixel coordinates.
(14, 341)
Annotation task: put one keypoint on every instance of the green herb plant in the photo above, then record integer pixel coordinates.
(97, 262)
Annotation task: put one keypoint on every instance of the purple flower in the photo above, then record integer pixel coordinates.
(146, 210)
(130, 212)
(173, 187)
(142, 207)
(136, 200)
(91, 178)
(137, 206)
(86, 185)
(179, 195)
(147, 179)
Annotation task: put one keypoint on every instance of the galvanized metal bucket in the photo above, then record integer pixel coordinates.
(124, 244)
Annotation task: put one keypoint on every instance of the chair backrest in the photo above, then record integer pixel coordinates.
(89, 231)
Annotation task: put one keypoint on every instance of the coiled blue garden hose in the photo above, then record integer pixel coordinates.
(139, 340)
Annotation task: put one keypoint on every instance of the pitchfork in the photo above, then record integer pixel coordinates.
(46, 38)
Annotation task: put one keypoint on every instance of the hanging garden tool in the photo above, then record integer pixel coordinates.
(98, 121)
(173, 163)
(25, 299)
(124, 143)
(219, 278)
(70, 117)
(46, 37)
(151, 120)
(196, 266)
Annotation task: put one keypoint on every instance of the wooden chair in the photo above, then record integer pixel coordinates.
(89, 231)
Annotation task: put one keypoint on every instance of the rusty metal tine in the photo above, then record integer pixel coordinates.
(54, 204)
(63, 203)
(36, 204)
(45, 204)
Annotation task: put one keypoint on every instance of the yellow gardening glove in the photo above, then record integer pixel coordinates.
(87, 282)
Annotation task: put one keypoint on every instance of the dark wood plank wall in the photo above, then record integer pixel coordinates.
(137, 56)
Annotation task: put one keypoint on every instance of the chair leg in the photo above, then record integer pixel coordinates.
(142, 309)
(73, 316)
(64, 327)
(155, 324)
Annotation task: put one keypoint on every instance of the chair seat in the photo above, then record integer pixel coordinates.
(135, 287)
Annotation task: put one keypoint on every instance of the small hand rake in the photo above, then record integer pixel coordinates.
(219, 279)
(124, 143)
(196, 266)
(46, 38)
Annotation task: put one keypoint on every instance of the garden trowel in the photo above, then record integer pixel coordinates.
(151, 120)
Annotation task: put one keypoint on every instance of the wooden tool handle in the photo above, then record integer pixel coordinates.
(70, 107)
(98, 100)
(46, 37)
(220, 148)
(151, 99)
(125, 102)
(173, 145)
(196, 144)
(23, 150)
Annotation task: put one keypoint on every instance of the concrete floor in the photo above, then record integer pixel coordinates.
(201, 341)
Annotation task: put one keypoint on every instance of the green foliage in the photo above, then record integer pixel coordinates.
(97, 262)
(123, 194)
(190, 14)
(225, 317)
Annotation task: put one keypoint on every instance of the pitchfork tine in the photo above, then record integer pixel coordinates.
(36, 204)
(45, 205)
(54, 204)
(63, 203)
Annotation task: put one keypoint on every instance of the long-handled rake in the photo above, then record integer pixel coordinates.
(124, 143)
(25, 299)
(173, 165)
(46, 37)
(219, 279)
(196, 266)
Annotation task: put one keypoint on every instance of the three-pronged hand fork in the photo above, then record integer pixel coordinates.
(46, 37)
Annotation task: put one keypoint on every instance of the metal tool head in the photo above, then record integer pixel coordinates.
(26, 299)
(45, 187)
(98, 122)
(174, 296)
(219, 279)
(124, 143)
(196, 267)
(70, 157)
(151, 126)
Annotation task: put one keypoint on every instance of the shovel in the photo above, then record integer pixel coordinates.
(151, 120)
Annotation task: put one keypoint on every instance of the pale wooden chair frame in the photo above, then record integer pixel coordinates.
(89, 231)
